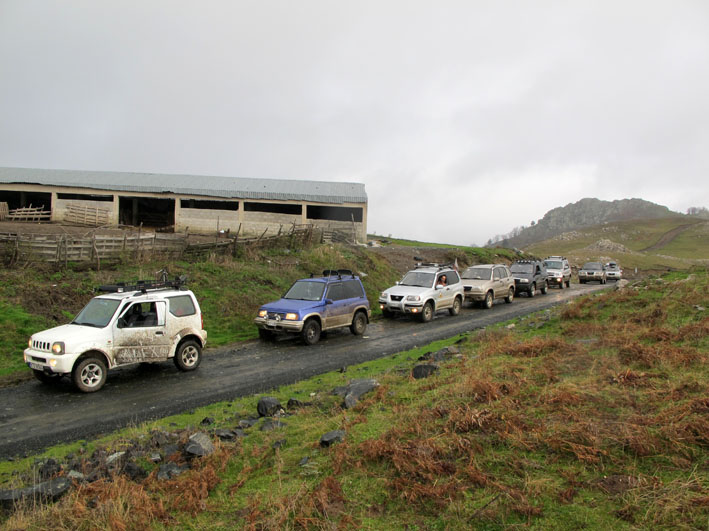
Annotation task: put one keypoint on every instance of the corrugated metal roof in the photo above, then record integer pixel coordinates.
(227, 187)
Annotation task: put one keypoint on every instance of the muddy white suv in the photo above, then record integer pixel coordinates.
(145, 322)
(423, 291)
(484, 283)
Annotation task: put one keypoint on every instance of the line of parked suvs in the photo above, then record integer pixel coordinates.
(152, 322)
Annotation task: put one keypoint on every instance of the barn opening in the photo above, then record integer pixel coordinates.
(85, 197)
(150, 211)
(26, 199)
(332, 213)
(206, 204)
(274, 208)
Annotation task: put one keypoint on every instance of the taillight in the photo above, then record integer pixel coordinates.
(201, 321)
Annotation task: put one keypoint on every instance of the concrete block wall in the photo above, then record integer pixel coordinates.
(202, 220)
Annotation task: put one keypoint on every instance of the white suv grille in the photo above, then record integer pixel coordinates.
(41, 345)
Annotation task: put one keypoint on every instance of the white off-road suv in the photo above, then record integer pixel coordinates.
(424, 291)
(145, 322)
(558, 271)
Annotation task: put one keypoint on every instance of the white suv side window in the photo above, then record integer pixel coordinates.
(453, 277)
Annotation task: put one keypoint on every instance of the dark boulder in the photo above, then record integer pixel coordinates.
(424, 370)
(332, 437)
(268, 406)
(199, 445)
(271, 424)
(43, 492)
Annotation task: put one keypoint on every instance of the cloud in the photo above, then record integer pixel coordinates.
(464, 119)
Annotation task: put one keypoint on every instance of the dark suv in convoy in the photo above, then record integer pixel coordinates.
(592, 271)
(312, 305)
(530, 276)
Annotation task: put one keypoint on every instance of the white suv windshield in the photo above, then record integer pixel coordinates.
(306, 290)
(418, 278)
(97, 313)
(552, 264)
(477, 273)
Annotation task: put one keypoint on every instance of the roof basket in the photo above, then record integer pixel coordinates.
(434, 264)
(144, 285)
(337, 273)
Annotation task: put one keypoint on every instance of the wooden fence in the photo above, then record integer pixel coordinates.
(77, 214)
(29, 213)
(4, 211)
(65, 248)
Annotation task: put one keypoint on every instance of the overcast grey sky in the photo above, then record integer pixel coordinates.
(463, 118)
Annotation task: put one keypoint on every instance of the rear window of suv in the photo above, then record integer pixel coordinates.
(182, 306)
(353, 289)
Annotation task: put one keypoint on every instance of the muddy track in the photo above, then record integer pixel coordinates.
(34, 416)
(670, 235)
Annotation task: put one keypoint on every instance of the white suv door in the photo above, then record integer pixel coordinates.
(139, 334)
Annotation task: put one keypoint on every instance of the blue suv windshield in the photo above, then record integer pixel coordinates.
(306, 290)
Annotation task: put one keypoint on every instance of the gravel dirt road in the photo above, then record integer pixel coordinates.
(34, 416)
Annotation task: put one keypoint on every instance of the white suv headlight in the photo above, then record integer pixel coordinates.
(58, 347)
(413, 298)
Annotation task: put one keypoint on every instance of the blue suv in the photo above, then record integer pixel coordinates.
(315, 304)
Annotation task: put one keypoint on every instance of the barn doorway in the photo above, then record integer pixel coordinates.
(151, 212)
(26, 199)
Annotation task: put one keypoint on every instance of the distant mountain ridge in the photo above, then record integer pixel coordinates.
(585, 213)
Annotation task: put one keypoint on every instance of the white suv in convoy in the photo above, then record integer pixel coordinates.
(146, 322)
(558, 271)
(423, 291)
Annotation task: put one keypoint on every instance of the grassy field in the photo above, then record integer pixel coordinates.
(591, 415)
(229, 290)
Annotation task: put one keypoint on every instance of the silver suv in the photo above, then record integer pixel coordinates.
(486, 282)
(558, 271)
(424, 291)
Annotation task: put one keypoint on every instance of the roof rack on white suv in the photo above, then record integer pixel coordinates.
(145, 285)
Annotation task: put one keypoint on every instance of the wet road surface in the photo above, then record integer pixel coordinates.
(34, 416)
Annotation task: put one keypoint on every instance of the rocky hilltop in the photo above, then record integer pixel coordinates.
(585, 213)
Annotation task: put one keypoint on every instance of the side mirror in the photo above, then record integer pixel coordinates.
(439, 286)
(328, 301)
(397, 282)
(121, 323)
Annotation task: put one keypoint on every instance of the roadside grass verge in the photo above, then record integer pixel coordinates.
(595, 414)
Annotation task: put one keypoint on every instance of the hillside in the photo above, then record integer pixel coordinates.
(593, 415)
(676, 242)
(35, 296)
(586, 213)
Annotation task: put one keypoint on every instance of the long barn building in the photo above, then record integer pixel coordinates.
(190, 202)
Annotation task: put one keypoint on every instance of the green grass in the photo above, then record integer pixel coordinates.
(17, 325)
(229, 290)
(593, 414)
